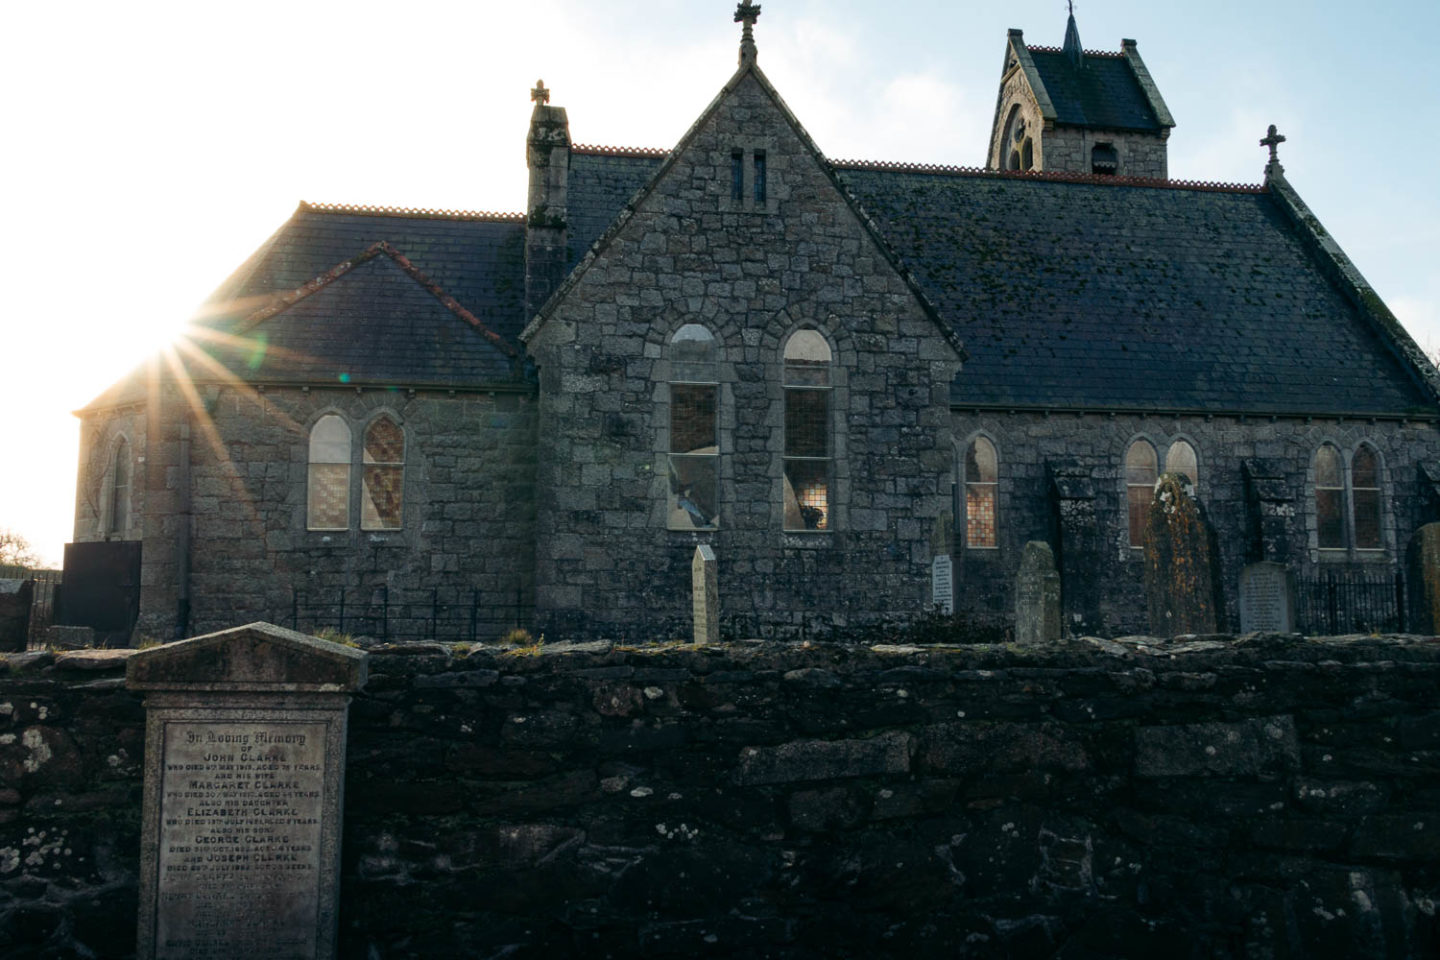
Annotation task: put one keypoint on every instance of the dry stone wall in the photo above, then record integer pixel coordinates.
(1265, 798)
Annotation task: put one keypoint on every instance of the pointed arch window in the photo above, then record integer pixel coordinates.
(120, 483)
(328, 486)
(1140, 477)
(1180, 458)
(383, 487)
(694, 449)
(1365, 496)
(808, 442)
(980, 495)
(1330, 497)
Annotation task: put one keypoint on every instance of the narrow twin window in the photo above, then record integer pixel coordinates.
(1140, 477)
(1330, 503)
(382, 481)
(759, 178)
(808, 451)
(694, 430)
(980, 488)
(737, 175)
(758, 188)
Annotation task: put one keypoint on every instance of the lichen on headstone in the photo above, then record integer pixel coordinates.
(1180, 575)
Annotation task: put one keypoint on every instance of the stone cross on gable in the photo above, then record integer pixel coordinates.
(540, 95)
(1272, 141)
(747, 13)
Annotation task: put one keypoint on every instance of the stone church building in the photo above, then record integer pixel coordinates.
(438, 423)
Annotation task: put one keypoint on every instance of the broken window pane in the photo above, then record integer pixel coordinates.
(381, 503)
(1140, 477)
(328, 493)
(807, 494)
(694, 457)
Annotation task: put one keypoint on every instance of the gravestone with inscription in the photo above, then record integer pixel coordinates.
(942, 565)
(1180, 570)
(705, 584)
(1267, 603)
(1037, 596)
(244, 775)
(1423, 562)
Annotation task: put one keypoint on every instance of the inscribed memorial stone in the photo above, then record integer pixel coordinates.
(1037, 596)
(244, 774)
(1266, 599)
(1423, 559)
(1180, 571)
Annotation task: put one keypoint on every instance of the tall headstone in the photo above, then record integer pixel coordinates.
(15, 599)
(1180, 572)
(705, 586)
(1037, 596)
(1267, 599)
(1423, 562)
(942, 565)
(244, 776)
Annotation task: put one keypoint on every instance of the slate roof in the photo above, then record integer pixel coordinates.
(601, 182)
(376, 322)
(1103, 93)
(1114, 295)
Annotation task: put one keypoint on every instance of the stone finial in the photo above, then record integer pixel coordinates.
(1273, 140)
(747, 13)
(540, 96)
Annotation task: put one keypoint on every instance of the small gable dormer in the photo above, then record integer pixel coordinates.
(1069, 110)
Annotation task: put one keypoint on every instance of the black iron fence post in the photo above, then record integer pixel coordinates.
(385, 612)
(294, 609)
(342, 609)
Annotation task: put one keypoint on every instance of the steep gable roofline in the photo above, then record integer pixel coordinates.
(284, 301)
(1342, 271)
(1052, 176)
(1015, 49)
(1129, 49)
(750, 67)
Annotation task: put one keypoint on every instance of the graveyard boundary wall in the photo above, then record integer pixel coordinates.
(1268, 797)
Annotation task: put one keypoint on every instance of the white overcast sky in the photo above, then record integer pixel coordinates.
(149, 147)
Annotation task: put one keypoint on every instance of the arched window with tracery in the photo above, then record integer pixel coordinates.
(980, 495)
(382, 490)
(120, 483)
(1180, 458)
(328, 487)
(1140, 477)
(694, 450)
(808, 443)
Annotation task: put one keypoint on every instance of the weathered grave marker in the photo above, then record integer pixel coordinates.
(1179, 565)
(1037, 596)
(705, 585)
(942, 565)
(244, 775)
(1423, 560)
(1267, 599)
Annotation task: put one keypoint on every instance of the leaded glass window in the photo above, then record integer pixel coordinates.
(694, 454)
(1330, 498)
(808, 453)
(1180, 458)
(980, 488)
(328, 494)
(1140, 477)
(382, 492)
(1365, 492)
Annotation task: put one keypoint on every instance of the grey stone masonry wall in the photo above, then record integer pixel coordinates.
(1026, 442)
(100, 434)
(463, 553)
(1267, 798)
(1068, 149)
(752, 273)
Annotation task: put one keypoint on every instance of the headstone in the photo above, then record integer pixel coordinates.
(705, 585)
(1267, 599)
(1037, 596)
(942, 565)
(942, 583)
(1179, 563)
(1423, 562)
(15, 597)
(244, 776)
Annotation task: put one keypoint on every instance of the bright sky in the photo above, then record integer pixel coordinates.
(151, 146)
